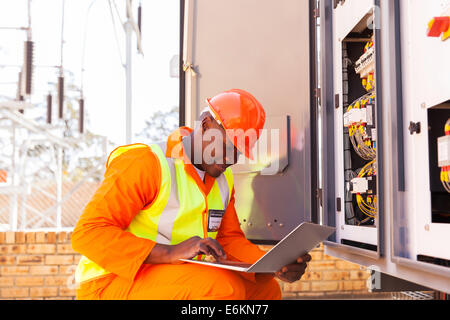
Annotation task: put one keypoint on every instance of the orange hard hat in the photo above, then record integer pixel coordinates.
(241, 115)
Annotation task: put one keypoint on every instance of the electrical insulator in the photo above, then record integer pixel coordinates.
(28, 66)
(139, 16)
(81, 119)
(61, 97)
(49, 108)
(139, 22)
(19, 95)
(19, 90)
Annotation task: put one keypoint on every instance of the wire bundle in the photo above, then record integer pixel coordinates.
(350, 217)
(368, 81)
(368, 170)
(359, 118)
(445, 171)
(368, 206)
(361, 141)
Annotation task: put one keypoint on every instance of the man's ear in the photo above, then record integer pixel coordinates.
(206, 124)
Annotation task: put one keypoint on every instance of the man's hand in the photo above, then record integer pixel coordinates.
(293, 272)
(186, 250)
(195, 246)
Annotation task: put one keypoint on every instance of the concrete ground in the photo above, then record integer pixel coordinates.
(409, 295)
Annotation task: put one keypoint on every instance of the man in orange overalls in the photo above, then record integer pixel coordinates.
(161, 203)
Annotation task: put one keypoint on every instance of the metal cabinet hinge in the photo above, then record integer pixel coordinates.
(317, 93)
(414, 127)
(338, 204)
(316, 10)
(316, 13)
(319, 195)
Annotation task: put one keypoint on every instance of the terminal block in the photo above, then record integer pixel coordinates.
(359, 116)
(362, 185)
(444, 151)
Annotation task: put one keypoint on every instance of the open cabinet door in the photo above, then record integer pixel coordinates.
(385, 101)
(263, 47)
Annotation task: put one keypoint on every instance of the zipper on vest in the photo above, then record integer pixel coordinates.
(204, 221)
(204, 214)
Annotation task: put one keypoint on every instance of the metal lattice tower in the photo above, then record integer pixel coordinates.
(43, 185)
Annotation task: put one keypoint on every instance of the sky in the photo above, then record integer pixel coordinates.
(104, 76)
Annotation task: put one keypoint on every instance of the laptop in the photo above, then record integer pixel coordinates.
(297, 243)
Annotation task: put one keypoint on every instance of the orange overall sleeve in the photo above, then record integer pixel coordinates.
(131, 182)
(236, 246)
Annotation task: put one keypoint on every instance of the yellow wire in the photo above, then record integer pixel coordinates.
(367, 211)
(367, 207)
(362, 199)
(371, 209)
(362, 172)
(363, 211)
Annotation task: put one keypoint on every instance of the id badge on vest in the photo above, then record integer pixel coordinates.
(214, 219)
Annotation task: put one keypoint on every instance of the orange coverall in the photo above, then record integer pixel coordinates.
(130, 184)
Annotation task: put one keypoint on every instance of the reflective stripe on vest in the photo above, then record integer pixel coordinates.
(178, 213)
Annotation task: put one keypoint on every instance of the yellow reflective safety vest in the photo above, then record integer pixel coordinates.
(179, 212)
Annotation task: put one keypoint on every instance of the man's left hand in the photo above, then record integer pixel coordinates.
(293, 272)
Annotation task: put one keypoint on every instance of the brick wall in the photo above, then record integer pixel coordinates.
(40, 265)
(37, 265)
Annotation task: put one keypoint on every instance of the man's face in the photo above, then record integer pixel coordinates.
(218, 151)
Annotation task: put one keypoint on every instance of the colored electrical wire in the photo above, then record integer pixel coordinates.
(361, 142)
(362, 172)
(445, 171)
(365, 208)
(364, 211)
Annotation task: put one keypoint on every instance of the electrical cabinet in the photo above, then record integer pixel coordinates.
(385, 114)
(426, 87)
(356, 122)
